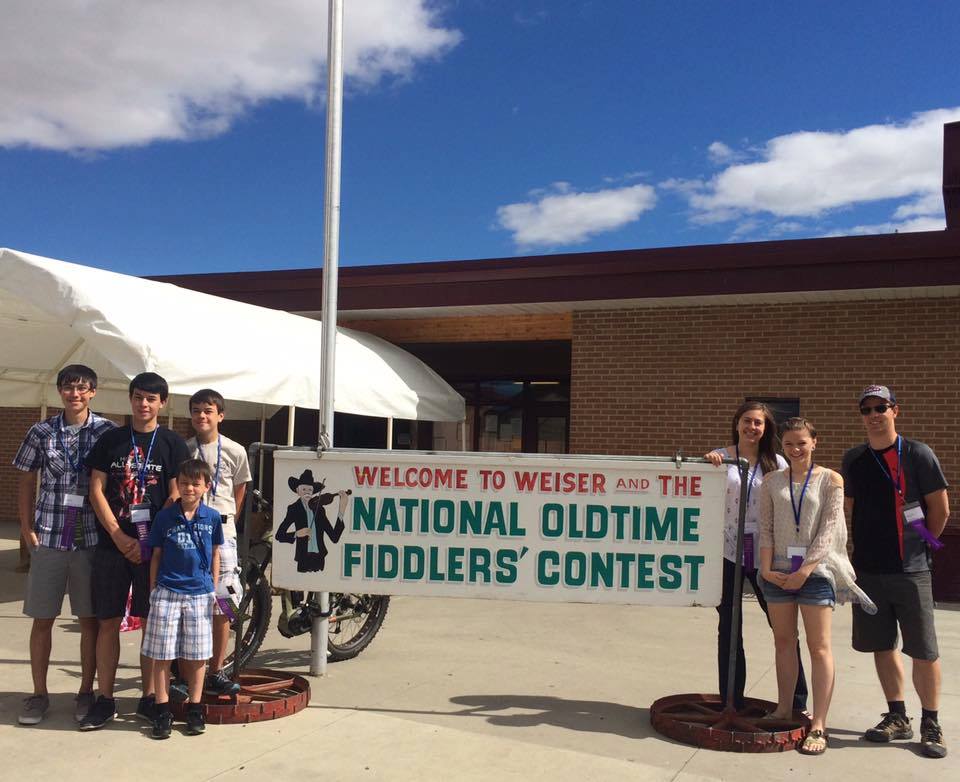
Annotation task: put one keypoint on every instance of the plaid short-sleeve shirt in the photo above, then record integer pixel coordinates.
(59, 454)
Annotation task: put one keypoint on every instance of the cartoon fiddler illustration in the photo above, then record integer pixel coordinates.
(306, 522)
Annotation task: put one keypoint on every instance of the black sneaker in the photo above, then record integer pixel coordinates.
(893, 726)
(102, 711)
(162, 725)
(195, 723)
(147, 708)
(931, 739)
(218, 684)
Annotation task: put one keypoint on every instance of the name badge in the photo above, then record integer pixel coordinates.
(749, 547)
(796, 554)
(913, 513)
(140, 516)
(72, 504)
(140, 513)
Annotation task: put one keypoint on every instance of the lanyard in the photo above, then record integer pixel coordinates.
(141, 468)
(799, 506)
(74, 466)
(751, 476)
(216, 472)
(886, 471)
(195, 537)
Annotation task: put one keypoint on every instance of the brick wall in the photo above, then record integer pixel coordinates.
(14, 423)
(654, 380)
(471, 329)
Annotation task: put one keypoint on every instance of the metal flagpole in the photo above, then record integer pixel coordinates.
(331, 247)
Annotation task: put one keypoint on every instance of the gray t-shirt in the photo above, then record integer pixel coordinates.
(234, 470)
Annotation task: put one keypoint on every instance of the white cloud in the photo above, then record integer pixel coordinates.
(928, 204)
(786, 227)
(562, 216)
(903, 226)
(808, 174)
(720, 153)
(99, 74)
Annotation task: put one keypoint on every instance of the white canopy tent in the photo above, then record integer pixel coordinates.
(54, 313)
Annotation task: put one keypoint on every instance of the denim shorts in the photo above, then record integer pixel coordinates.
(816, 591)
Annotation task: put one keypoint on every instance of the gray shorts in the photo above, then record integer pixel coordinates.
(904, 599)
(52, 574)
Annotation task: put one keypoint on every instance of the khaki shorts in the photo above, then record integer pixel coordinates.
(54, 573)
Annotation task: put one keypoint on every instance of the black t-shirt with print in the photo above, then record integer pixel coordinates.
(882, 543)
(113, 454)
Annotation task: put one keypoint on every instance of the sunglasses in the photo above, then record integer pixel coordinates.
(881, 409)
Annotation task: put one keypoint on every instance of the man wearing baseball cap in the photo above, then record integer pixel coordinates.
(896, 496)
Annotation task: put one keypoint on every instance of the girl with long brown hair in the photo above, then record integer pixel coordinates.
(754, 438)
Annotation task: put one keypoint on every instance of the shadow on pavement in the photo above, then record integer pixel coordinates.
(585, 716)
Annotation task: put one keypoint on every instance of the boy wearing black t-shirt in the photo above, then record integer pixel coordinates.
(133, 476)
(896, 497)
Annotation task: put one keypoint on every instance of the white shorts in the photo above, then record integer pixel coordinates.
(229, 571)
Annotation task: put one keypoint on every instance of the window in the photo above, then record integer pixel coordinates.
(511, 417)
(783, 407)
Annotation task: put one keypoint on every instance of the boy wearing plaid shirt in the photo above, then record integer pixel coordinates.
(186, 539)
(60, 531)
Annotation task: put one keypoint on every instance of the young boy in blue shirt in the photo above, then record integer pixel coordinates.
(186, 539)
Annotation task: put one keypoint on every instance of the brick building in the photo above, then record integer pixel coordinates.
(648, 351)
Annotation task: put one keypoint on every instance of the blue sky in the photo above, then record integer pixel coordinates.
(187, 136)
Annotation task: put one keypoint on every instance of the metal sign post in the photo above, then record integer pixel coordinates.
(331, 247)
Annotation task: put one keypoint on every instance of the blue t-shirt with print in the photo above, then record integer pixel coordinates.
(187, 548)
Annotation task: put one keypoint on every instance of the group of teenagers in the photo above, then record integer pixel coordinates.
(794, 553)
(131, 520)
(167, 536)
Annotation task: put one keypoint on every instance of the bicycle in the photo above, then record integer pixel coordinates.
(355, 619)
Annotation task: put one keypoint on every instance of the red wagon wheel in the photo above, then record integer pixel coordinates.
(704, 721)
(264, 695)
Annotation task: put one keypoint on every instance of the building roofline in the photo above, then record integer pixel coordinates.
(930, 258)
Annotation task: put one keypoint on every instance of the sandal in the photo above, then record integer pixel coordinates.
(815, 743)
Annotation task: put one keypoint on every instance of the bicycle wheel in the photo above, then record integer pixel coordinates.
(354, 621)
(255, 609)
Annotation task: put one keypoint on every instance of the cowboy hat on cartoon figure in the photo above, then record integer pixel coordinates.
(306, 522)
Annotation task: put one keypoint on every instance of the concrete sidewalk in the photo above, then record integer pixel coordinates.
(470, 690)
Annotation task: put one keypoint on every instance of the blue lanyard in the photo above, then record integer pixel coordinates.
(141, 468)
(74, 466)
(195, 537)
(751, 476)
(216, 472)
(888, 472)
(798, 507)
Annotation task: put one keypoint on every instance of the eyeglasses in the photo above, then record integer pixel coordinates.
(881, 409)
(80, 388)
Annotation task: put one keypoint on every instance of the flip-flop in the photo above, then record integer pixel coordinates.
(815, 743)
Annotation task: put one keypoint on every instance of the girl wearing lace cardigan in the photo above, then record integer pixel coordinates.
(803, 563)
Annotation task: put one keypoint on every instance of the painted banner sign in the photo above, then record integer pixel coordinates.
(571, 529)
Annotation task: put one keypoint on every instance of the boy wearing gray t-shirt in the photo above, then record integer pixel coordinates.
(230, 471)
